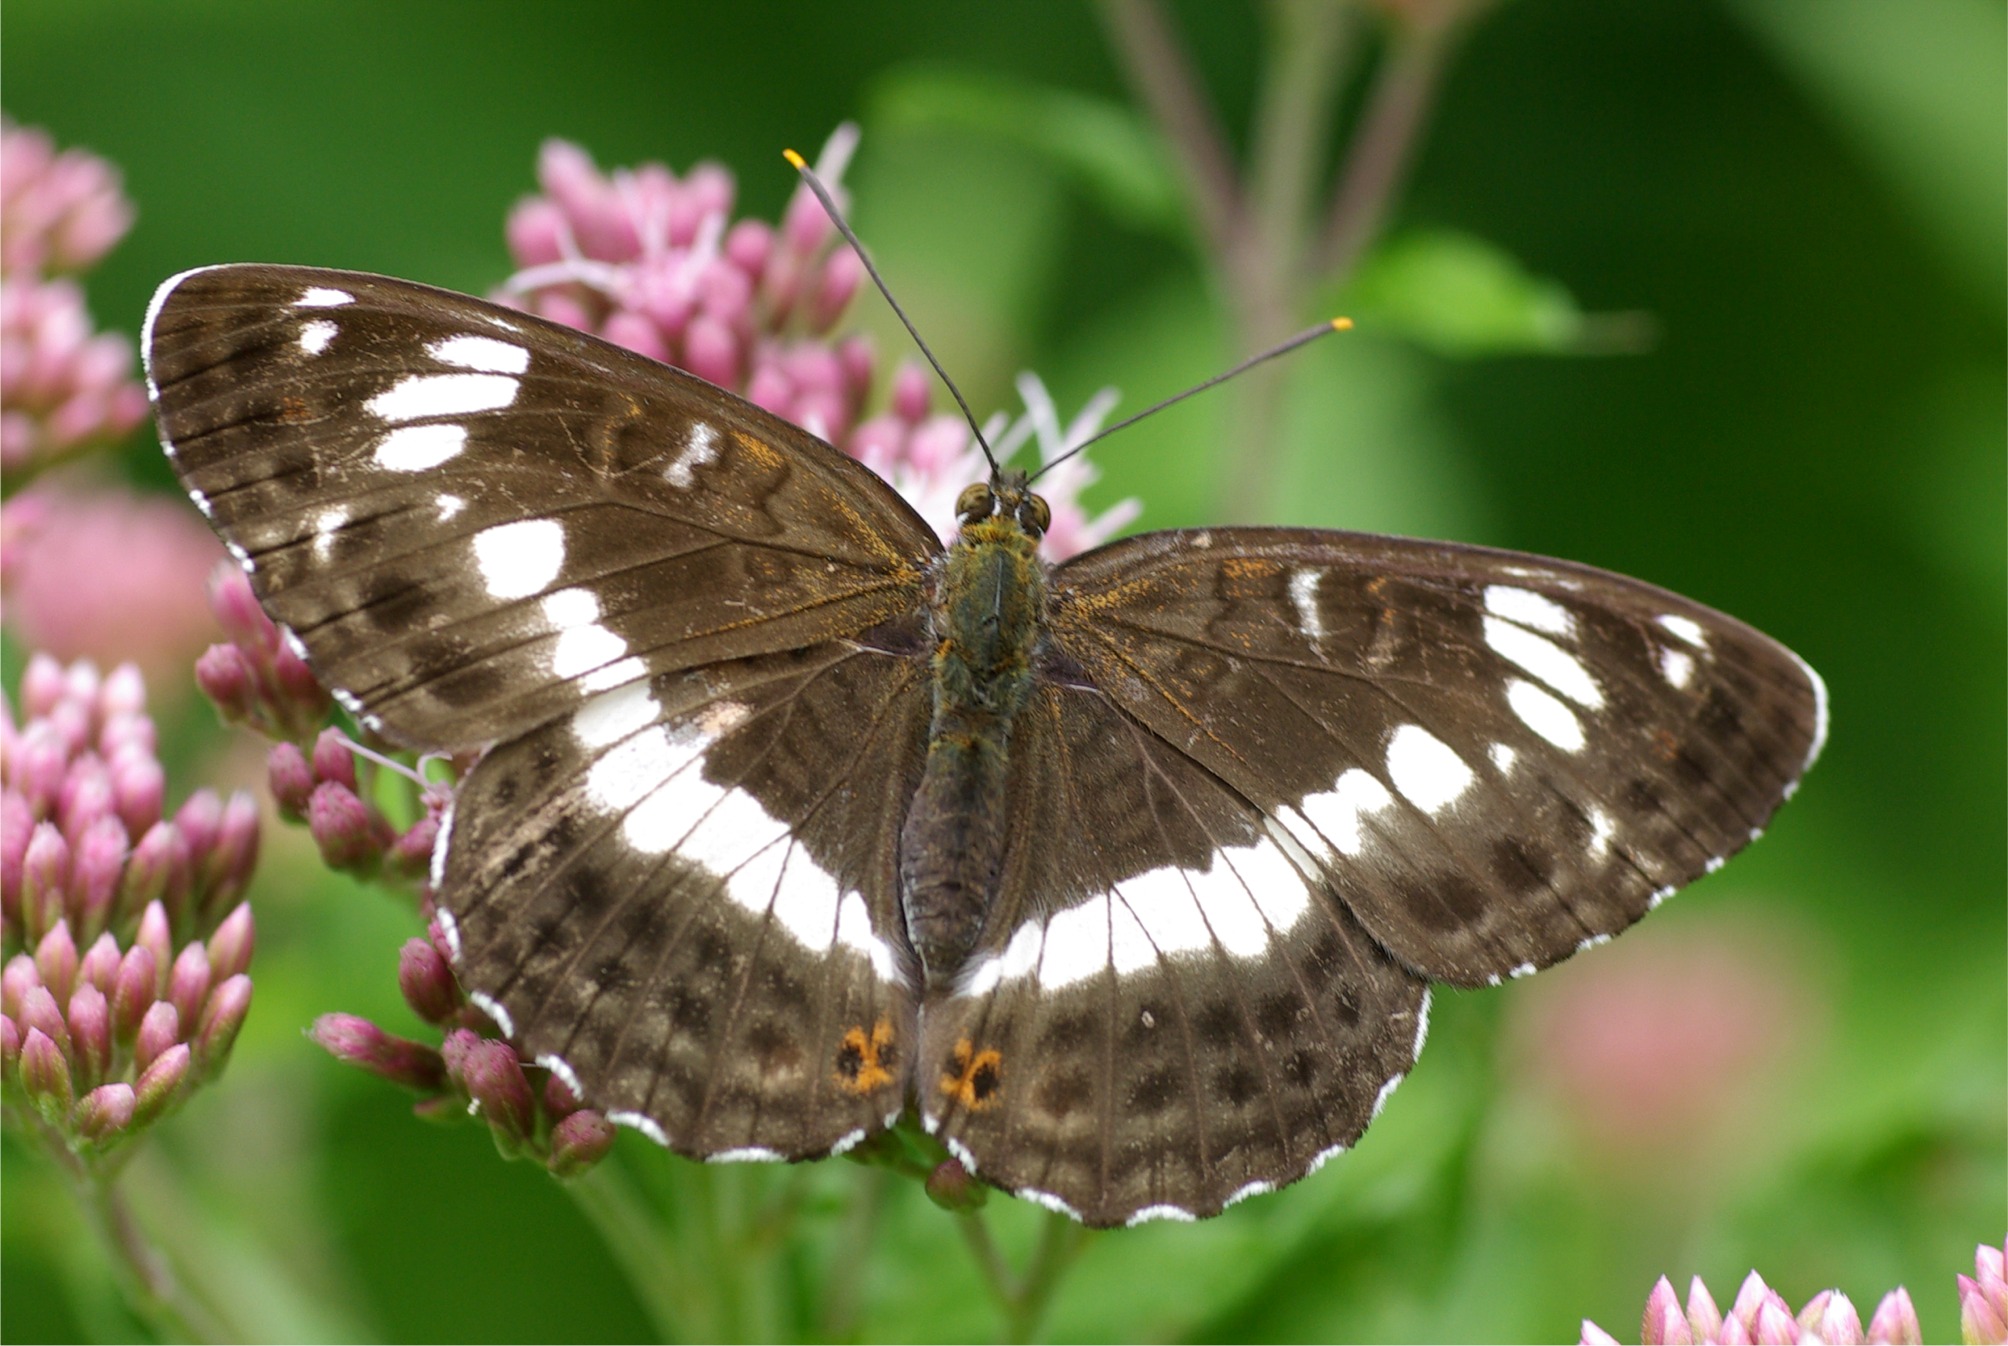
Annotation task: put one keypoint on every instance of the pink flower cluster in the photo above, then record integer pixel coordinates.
(652, 262)
(1761, 1315)
(63, 387)
(471, 1071)
(126, 982)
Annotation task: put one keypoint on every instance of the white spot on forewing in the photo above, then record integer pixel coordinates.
(448, 505)
(1545, 660)
(1602, 830)
(322, 296)
(485, 354)
(1077, 943)
(1149, 1213)
(519, 559)
(583, 644)
(315, 335)
(700, 448)
(1676, 666)
(646, 1125)
(1545, 714)
(1503, 757)
(492, 1007)
(612, 716)
(1337, 817)
(1529, 609)
(418, 448)
(326, 525)
(1304, 597)
(1429, 774)
(1659, 895)
(202, 503)
(1520, 970)
(420, 396)
(854, 931)
(847, 1142)
(1686, 628)
(1421, 1023)
(291, 640)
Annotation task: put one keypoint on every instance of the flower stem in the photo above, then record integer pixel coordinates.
(1025, 1300)
(152, 1290)
(638, 1244)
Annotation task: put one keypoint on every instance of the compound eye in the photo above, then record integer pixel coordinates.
(974, 503)
(1035, 515)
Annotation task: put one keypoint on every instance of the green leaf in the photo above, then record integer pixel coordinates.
(1462, 296)
(1102, 146)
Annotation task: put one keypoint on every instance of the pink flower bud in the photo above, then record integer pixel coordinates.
(411, 852)
(712, 352)
(236, 853)
(85, 797)
(332, 759)
(495, 1080)
(41, 764)
(230, 947)
(56, 961)
(17, 825)
(139, 787)
(578, 1141)
(10, 1047)
(90, 1020)
(747, 246)
(1593, 1335)
(160, 1083)
(559, 1100)
(44, 682)
(237, 609)
(637, 333)
(359, 1042)
(104, 1112)
(45, 1075)
(341, 826)
(157, 869)
(40, 1013)
(858, 358)
(156, 935)
(290, 778)
(806, 227)
(302, 701)
(1830, 1317)
(198, 820)
(427, 982)
(725, 295)
(123, 693)
(912, 389)
(101, 963)
(1664, 1324)
(189, 981)
(45, 872)
(159, 1031)
(1982, 1317)
(1774, 1325)
(535, 232)
(1895, 1321)
(836, 286)
(97, 869)
(16, 980)
(953, 1187)
(222, 1018)
(135, 991)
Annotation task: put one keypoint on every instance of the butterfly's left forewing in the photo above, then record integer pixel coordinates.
(687, 629)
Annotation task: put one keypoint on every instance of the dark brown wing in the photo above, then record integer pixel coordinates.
(1491, 759)
(1167, 1014)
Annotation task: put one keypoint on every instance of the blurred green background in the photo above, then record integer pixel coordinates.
(1801, 201)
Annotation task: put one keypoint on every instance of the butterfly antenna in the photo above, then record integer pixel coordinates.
(1303, 338)
(829, 203)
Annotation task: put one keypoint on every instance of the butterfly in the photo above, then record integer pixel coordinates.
(1128, 877)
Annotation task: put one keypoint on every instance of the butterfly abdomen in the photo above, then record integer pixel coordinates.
(987, 612)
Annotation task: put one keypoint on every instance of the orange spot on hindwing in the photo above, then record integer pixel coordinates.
(973, 1078)
(865, 1062)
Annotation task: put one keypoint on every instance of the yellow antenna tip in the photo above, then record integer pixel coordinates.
(795, 160)
(1342, 324)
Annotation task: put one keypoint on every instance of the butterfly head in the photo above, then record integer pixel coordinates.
(1007, 496)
